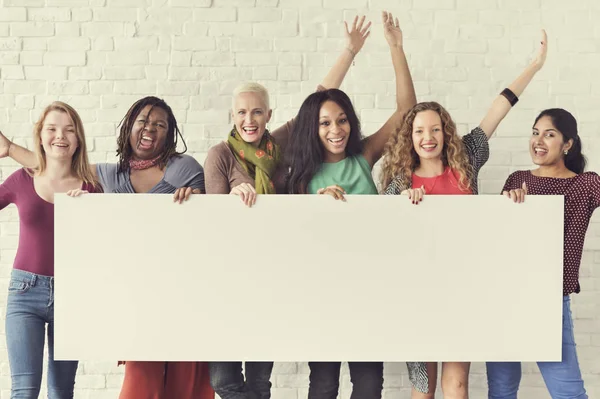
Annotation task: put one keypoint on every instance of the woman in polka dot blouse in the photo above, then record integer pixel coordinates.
(555, 147)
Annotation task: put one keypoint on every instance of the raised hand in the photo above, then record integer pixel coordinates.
(4, 146)
(357, 34)
(391, 29)
(540, 57)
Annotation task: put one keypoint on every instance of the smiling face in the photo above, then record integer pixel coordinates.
(334, 131)
(58, 136)
(250, 115)
(428, 135)
(547, 145)
(149, 133)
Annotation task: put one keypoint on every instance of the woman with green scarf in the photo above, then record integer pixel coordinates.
(246, 164)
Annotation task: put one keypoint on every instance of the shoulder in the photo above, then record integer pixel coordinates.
(475, 138)
(107, 169)
(18, 177)
(108, 175)
(182, 165)
(588, 178)
(219, 151)
(219, 155)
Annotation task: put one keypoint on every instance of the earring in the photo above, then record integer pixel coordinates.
(566, 152)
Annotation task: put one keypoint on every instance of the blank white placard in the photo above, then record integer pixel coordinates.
(299, 278)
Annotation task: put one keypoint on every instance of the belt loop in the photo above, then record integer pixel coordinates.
(33, 280)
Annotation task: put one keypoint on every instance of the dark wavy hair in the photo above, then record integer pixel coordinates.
(305, 152)
(566, 124)
(124, 150)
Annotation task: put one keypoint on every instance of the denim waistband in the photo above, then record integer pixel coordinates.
(31, 278)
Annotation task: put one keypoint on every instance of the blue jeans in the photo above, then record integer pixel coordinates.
(30, 306)
(366, 378)
(563, 379)
(227, 379)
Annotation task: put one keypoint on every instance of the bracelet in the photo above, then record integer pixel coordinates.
(351, 51)
(510, 96)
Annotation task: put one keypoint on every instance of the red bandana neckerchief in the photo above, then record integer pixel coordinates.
(143, 164)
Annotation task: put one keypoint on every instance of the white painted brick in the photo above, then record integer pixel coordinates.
(156, 72)
(81, 14)
(85, 73)
(275, 29)
(215, 14)
(44, 73)
(159, 58)
(250, 43)
(68, 29)
(94, 29)
(110, 15)
(13, 14)
(190, 3)
(127, 58)
(49, 14)
(189, 73)
(69, 44)
(102, 43)
(64, 58)
(31, 29)
(68, 88)
(124, 73)
(198, 28)
(135, 44)
(10, 44)
(184, 43)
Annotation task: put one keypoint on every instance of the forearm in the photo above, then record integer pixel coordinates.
(22, 155)
(406, 97)
(501, 106)
(338, 71)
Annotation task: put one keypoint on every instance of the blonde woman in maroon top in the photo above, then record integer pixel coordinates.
(556, 149)
(426, 155)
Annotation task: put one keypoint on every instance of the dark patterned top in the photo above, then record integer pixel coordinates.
(582, 197)
(478, 151)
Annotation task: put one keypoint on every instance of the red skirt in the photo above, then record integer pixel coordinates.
(166, 380)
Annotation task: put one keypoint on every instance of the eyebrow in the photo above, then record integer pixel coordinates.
(421, 127)
(146, 117)
(547, 130)
(54, 124)
(327, 116)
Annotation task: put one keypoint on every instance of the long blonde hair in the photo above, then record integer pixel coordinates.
(80, 164)
(401, 159)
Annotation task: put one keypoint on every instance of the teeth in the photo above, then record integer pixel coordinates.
(336, 140)
(147, 139)
(540, 150)
(250, 129)
(429, 146)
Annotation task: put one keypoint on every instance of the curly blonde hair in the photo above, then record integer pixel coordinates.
(401, 159)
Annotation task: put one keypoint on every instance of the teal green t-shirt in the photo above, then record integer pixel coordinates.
(353, 174)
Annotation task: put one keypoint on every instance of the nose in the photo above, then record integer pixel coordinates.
(248, 117)
(334, 128)
(149, 126)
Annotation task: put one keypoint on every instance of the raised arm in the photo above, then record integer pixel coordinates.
(405, 91)
(502, 105)
(22, 155)
(356, 35)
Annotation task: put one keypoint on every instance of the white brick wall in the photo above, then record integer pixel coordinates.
(101, 55)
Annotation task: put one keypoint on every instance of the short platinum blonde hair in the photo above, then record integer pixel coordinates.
(252, 87)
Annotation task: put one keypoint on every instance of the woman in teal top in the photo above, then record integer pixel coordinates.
(326, 154)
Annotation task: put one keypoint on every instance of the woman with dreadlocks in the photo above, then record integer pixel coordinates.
(149, 163)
